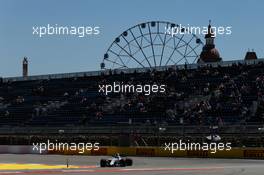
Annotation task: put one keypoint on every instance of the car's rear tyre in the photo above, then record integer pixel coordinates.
(122, 163)
(129, 162)
(103, 163)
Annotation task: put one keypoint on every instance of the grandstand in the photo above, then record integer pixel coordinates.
(204, 96)
(225, 98)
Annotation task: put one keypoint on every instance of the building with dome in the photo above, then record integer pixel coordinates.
(209, 53)
(251, 55)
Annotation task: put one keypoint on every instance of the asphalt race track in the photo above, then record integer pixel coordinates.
(57, 164)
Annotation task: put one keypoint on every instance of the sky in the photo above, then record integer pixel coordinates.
(74, 54)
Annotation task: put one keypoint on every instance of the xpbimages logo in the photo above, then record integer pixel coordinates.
(197, 30)
(79, 31)
(213, 147)
(146, 89)
(61, 146)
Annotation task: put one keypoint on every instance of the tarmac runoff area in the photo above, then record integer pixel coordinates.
(57, 164)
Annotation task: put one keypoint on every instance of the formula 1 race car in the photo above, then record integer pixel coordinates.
(116, 161)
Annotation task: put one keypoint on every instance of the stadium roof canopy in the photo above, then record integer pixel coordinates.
(129, 70)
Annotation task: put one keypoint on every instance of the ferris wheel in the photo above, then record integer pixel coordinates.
(148, 45)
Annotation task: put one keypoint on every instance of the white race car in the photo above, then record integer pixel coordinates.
(116, 161)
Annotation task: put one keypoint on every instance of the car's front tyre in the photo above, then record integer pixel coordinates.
(103, 163)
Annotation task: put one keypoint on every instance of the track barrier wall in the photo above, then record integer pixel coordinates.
(250, 153)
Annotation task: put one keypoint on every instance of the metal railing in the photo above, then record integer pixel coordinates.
(144, 129)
